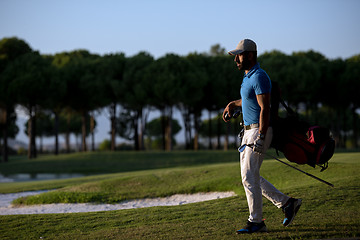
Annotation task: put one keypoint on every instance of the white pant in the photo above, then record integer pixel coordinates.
(255, 186)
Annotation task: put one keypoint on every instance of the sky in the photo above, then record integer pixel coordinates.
(159, 27)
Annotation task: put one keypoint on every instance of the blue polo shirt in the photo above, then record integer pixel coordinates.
(255, 82)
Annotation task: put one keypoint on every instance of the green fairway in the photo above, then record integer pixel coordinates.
(113, 162)
(326, 212)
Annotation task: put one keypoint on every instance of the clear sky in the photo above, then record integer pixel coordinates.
(331, 27)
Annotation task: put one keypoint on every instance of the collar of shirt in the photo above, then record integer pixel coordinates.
(252, 70)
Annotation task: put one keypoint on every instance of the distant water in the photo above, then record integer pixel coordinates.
(22, 177)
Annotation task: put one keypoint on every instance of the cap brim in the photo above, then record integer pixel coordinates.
(235, 51)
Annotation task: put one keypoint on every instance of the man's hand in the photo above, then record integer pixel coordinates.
(259, 144)
(229, 110)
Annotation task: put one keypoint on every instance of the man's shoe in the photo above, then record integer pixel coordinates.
(290, 209)
(252, 228)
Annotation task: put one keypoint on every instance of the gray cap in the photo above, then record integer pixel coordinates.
(244, 45)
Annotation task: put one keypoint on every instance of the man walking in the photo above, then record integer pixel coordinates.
(255, 103)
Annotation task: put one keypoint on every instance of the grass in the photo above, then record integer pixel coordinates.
(144, 184)
(326, 212)
(113, 162)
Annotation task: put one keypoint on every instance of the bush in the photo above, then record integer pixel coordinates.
(21, 151)
(105, 145)
(124, 147)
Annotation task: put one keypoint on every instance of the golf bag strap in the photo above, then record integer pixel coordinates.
(288, 109)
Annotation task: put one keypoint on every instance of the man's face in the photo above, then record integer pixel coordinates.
(242, 61)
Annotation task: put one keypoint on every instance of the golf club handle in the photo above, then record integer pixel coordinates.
(235, 115)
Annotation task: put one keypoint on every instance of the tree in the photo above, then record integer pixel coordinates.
(81, 83)
(138, 82)
(56, 100)
(30, 74)
(154, 130)
(278, 67)
(191, 95)
(70, 122)
(44, 126)
(227, 84)
(351, 82)
(125, 125)
(84, 88)
(232, 127)
(111, 70)
(217, 50)
(215, 89)
(10, 50)
(170, 75)
(309, 69)
(11, 131)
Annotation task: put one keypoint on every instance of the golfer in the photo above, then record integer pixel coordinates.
(255, 103)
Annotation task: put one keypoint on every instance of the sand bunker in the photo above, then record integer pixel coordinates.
(179, 199)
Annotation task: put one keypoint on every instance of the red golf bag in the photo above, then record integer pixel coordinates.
(299, 141)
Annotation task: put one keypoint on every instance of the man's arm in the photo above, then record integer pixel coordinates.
(230, 108)
(264, 103)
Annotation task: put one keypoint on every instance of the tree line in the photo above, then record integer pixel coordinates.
(72, 86)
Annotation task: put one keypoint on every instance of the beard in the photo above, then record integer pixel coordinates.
(245, 64)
